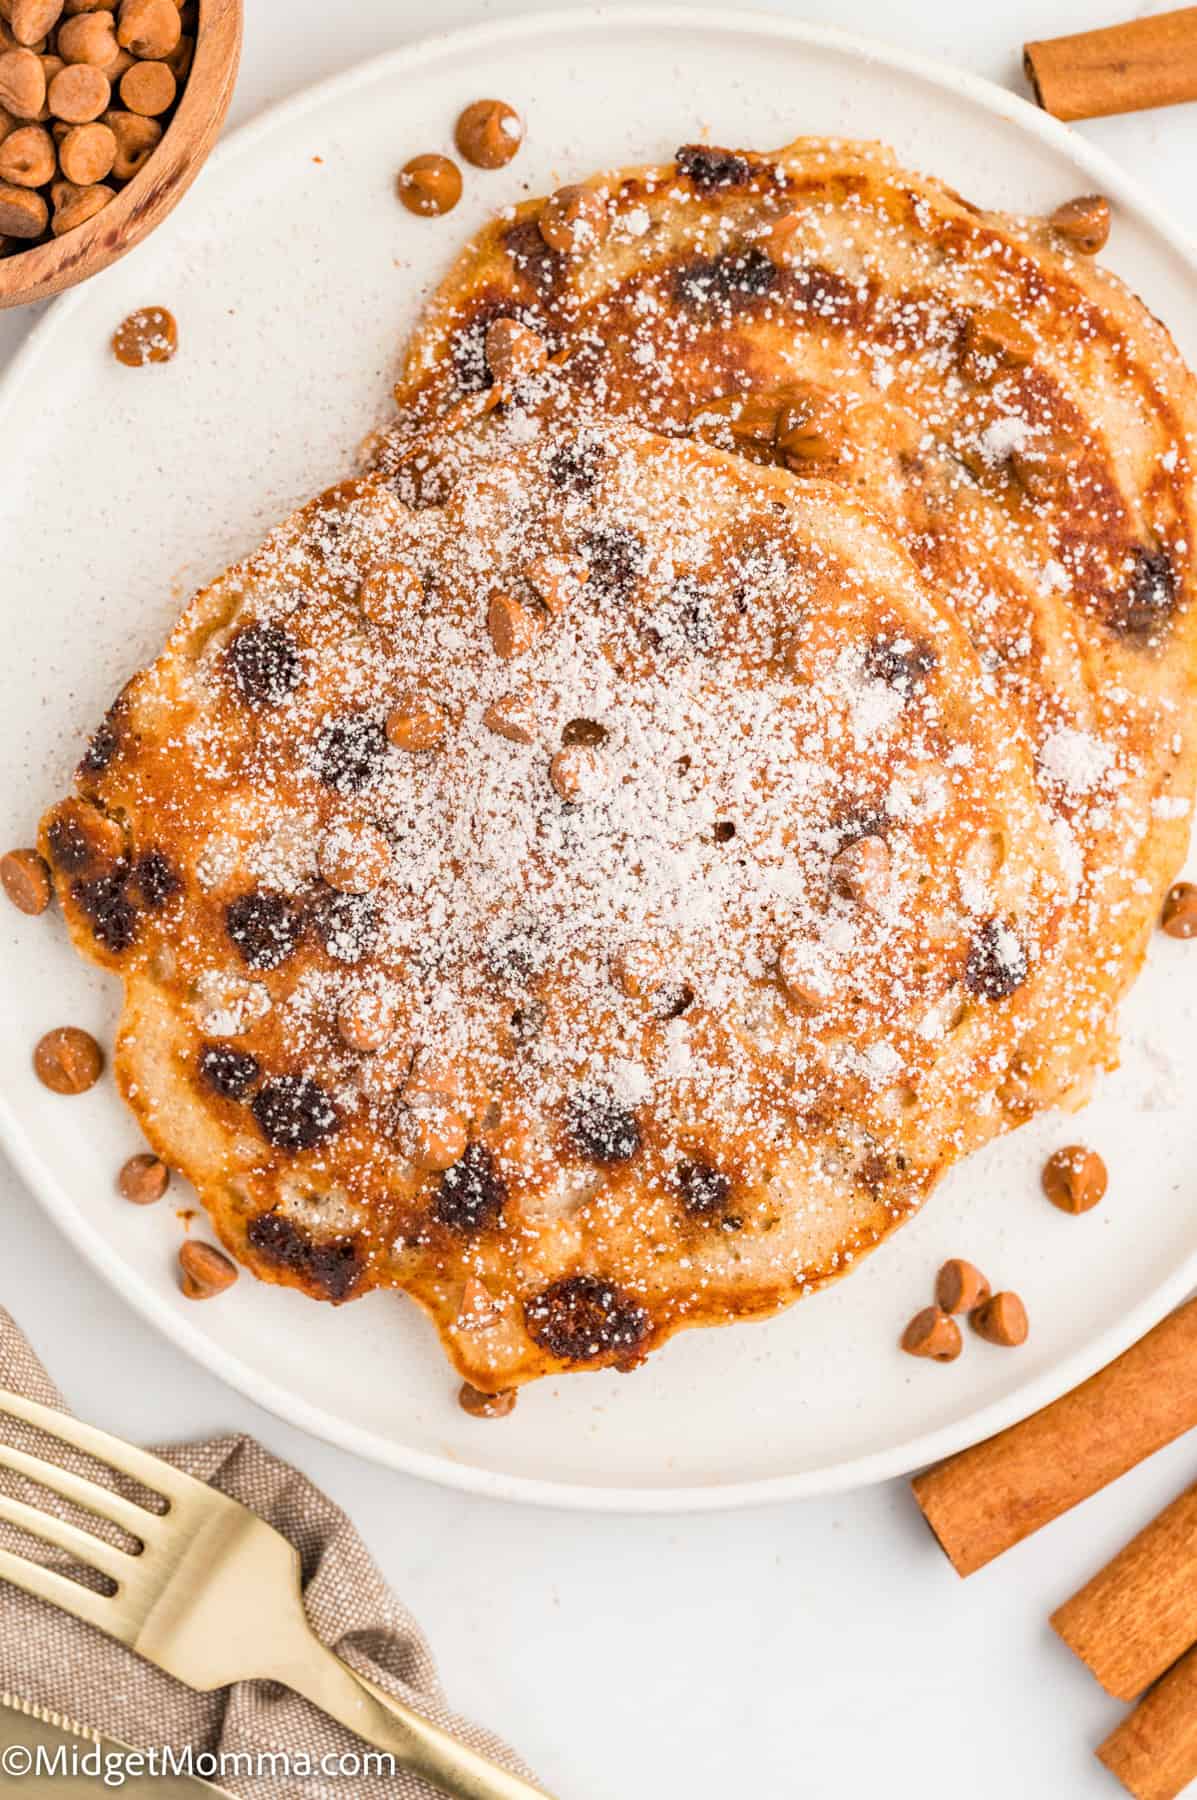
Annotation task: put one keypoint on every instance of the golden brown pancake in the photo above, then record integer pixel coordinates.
(573, 876)
(1015, 412)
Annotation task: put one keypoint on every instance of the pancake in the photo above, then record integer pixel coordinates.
(1016, 413)
(571, 875)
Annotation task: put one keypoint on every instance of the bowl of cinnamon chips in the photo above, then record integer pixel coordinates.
(106, 117)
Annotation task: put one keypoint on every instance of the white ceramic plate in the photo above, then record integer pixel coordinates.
(295, 276)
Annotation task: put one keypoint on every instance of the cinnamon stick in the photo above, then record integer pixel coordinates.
(1123, 68)
(1139, 1613)
(1154, 1750)
(986, 1499)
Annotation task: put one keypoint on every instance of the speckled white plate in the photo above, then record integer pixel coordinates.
(295, 275)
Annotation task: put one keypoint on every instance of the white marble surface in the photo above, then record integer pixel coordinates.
(801, 1651)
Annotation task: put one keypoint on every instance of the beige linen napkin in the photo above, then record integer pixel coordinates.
(51, 1659)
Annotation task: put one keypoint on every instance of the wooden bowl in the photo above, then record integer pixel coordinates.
(145, 200)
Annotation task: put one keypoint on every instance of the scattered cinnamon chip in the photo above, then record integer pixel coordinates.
(366, 1020)
(933, 1334)
(488, 133)
(1179, 918)
(486, 1406)
(1074, 1179)
(430, 185)
(68, 1060)
(143, 1179)
(1084, 223)
(1001, 1320)
(25, 878)
(960, 1286)
(149, 335)
(204, 1271)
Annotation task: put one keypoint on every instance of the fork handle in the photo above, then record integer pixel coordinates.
(415, 1742)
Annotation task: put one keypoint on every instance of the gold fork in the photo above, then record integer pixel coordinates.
(213, 1597)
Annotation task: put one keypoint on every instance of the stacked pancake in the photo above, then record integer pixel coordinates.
(597, 870)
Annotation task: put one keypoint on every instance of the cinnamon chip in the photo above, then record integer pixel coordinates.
(1001, 1320)
(23, 213)
(486, 1406)
(479, 1311)
(579, 773)
(861, 871)
(1179, 917)
(68, 1061)
(802, 976)
(637, 969)
(1084, 223)
(488, 133)
(433, 1134)
(144, 1179)
(414, 725)
(513, 629)
(575, 220)
(933, 1334)
(136, 140)
(87, 153)
(148, 28)
(25, 878)
(557, 580)
(388, 592)
(27, 157)
(960, 1286)
(22, 84)
(78, 93)
(204, 1271)
(430, 185)
(1074, 1179)
(513, 351)
(75, 205)
(148, 88)
(513, 716)
(432, 1076)
(994, 339)
(149, 335)
(779, 238)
